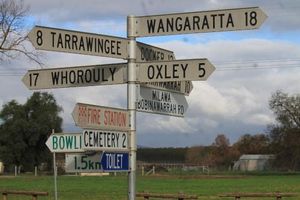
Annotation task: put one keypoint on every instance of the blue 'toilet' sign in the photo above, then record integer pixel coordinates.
(111, 162)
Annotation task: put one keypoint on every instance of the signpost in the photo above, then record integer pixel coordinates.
(53, 39)
(80, 76)
(104, 140)
(164, 82)
(115, 162)
(175, 70)
(161, 102)
(65, 142)
(199, 22)
(100, 117)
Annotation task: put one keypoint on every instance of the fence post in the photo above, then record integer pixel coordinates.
(34, 197)
(4, 196)
(16, 170)
(35, 170)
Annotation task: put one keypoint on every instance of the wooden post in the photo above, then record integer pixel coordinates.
(35, 170)
(34, 197)
(16, 170)
(4, 196)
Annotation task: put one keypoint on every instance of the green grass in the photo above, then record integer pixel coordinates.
(115, 187)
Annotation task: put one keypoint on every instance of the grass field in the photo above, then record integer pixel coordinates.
(115, 187)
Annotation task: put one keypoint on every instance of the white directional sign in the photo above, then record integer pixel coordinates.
(100, 117)
(53, 39)
(150, 53)
(104, 140)
(199, 22)
(176, 70)
(81, 162)
(65, 142)
(184, 87)
(145, 52)
(80, 76)
(161, 102)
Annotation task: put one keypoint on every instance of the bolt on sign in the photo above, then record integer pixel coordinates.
(161, 102)
(145, 52)
(81, 76)
(115, 162)
(53, 39)
(81, 162)
(104, 140)
(199, 22)
(175, 70)
(183, 87)
(65, 142)
(100, 117)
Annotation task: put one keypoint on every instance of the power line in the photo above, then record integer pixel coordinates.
(225, 65)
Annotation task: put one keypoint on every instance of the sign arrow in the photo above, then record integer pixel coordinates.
(53, 39)
(175, 70)
(199, 22)
(100, 117)
(65, 142)
(80, 76)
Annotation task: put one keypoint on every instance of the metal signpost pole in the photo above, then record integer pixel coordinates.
(131, 98)
(55, 176)
(55, 173)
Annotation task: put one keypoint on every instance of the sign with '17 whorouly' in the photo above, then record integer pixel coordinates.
(80, 76)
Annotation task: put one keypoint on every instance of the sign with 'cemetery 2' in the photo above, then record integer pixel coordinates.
(104, 140)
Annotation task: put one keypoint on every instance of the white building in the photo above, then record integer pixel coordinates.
(253, 162)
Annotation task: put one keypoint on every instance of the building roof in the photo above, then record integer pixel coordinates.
(257, 157)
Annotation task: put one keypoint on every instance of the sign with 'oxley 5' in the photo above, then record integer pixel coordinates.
(175, 70)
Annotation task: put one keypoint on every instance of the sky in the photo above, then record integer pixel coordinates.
(250, 66)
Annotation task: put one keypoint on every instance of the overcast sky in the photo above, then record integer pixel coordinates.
(250, 66)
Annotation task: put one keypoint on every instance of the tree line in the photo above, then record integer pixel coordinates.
(25, 128)
(281, 139)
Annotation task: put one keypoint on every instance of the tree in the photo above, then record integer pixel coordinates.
(25, 129)
(13, 37)
(285, 134)
(253, 144)
(221, 141)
